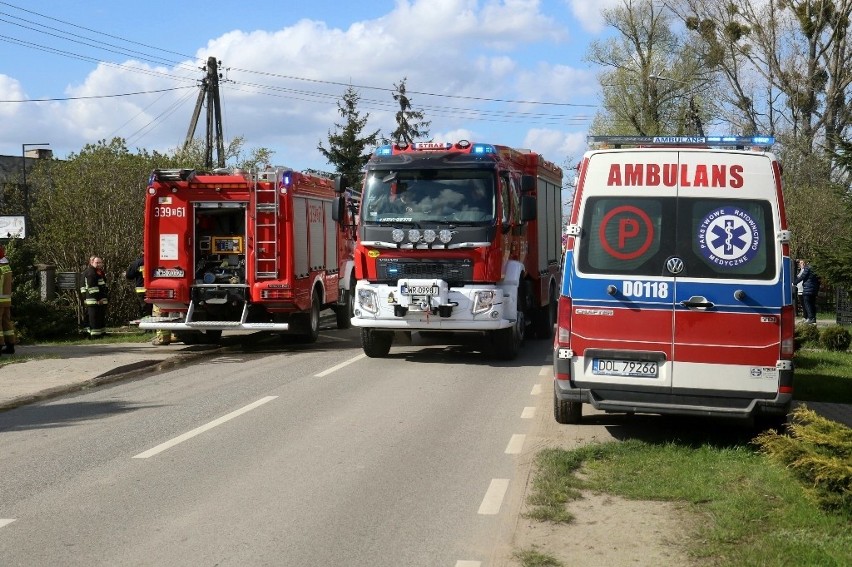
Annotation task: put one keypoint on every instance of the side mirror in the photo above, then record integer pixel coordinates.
(528, 208)
(527, 183)
(341, 184)
(338, 209)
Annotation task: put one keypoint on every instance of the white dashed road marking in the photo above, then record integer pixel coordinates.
(339, 366)
(198, 430)
(6, 521)
(536, 391)
(494, 497)
(468, 563)
(516, 444)
(545, 371)
(528, 413)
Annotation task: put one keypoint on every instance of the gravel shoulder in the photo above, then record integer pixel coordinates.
(608, 531)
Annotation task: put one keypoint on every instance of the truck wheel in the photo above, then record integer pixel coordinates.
(567, 412)
(345, 312)
(545, 317)
(308, 323)
(212, 337)
(376, 344)
(506, 343)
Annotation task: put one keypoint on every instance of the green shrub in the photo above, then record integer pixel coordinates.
(835, 337)
(805, 334)
(818, 451)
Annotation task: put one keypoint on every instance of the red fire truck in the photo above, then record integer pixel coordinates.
(229, 250)
(457, 237)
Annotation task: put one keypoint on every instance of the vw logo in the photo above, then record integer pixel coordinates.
(674, 265)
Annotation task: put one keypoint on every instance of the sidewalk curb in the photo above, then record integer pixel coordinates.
(126, 372)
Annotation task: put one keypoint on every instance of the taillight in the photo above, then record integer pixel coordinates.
(160, 294)
(563, 321)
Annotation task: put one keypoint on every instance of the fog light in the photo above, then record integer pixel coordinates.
(482, 301)
(368, 301)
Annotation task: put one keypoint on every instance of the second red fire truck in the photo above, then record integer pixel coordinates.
(460, 237)
(230, 250)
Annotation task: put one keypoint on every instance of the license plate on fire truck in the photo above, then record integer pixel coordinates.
(632, 368)
(418, 290)
(168, 273)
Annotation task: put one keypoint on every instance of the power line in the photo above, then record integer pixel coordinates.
(93, 96)
(280, 76)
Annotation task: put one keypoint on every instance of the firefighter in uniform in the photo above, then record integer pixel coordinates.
(136, 274)
(7, 338)
(95, 293)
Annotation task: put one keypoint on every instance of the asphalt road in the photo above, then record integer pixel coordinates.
(278, 454)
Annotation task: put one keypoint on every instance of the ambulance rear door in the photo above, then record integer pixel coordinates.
(622, 295)
(728, 289)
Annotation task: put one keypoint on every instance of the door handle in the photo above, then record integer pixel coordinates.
(697, 302)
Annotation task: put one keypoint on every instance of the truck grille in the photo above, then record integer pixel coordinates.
(454, 272)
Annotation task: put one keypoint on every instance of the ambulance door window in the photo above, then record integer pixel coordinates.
(727, 238)
(627, 236)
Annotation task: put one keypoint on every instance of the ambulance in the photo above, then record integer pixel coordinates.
(676, 296)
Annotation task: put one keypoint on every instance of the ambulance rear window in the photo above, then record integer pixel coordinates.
(716, 238)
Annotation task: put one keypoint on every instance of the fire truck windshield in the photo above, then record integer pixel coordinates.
(428, 195)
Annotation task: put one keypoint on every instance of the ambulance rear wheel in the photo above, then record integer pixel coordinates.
(567, 412)
(376, 344)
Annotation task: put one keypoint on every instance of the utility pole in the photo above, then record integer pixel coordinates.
(209, 92)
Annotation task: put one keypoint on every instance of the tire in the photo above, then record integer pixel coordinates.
(545, 317)
(506, 343)
(345, 312)
(308, 323)
(376, 344)
(188, 337)
(764, 422)
(567, 412)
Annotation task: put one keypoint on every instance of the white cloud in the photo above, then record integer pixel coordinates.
(480, 49)
(589, 13)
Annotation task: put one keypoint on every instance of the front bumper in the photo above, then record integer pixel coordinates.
(438, 308)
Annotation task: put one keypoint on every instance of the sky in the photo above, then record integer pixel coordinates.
(509, 72)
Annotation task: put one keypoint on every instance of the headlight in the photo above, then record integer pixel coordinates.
(429, 236)
(368, 300)
(414, 235)
(397, 235)
(445, 236)
(483, 301)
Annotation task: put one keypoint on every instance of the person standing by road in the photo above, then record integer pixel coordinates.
(95, 294)
(810, 287)
(7, 338)
(136, 274)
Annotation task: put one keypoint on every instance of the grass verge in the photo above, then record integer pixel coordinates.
(750, 510)
(823, 376)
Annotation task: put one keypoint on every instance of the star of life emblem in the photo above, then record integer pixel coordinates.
(729, 237)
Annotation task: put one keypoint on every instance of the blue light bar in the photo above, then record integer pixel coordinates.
(384, 151)
(683, 140)
(482, 149)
